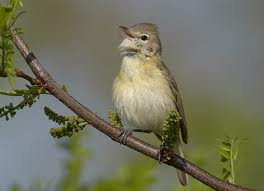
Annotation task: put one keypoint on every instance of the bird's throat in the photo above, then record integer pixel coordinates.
(134, 66)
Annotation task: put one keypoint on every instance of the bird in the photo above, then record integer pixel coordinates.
(145, 91)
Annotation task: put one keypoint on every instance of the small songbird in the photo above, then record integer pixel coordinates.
(144, 92)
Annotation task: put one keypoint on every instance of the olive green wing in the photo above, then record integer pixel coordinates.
(177, 100)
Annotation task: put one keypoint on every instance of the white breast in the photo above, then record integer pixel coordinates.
(141, 94)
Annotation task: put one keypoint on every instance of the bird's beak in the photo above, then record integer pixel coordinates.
(126, 31)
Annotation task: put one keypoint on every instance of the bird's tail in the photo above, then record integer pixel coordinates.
(183, 178)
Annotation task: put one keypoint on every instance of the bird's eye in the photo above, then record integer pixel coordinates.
(144, 37)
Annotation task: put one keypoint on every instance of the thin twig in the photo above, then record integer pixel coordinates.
(32, 81)
(19, 73)
(112, 132)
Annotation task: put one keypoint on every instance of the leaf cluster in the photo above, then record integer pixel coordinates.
(114, 119)
(228, 150)
(171, 129)
(29, 97)
(7, 18)
(67, 124)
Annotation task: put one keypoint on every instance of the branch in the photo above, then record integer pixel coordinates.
(132, 142)
(20, 74)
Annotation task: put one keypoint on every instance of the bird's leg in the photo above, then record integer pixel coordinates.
(161, 149)
(126, 132)
(164, 154)
(160, 153)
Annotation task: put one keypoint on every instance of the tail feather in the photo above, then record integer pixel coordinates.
(183, 177)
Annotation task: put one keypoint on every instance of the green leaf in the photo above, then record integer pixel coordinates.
(15, 3)
(11, 76)
(226, 174)
(12, 81)
(225, 148)
(226, 166)
(229, 149)
(235, 151)
(64, 88)
(224, 154)
(7, 13)
(7, 16)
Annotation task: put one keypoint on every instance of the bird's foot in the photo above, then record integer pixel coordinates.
(127, 132)
(164, 154)
(124, 134)
(160, 153)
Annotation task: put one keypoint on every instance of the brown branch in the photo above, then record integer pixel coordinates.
(132, 142)
(20, 74)
(32, 81)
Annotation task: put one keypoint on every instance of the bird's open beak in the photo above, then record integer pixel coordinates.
(126, 31)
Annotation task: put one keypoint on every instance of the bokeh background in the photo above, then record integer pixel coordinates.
(214, 48)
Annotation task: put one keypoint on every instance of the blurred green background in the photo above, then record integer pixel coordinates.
(214, 48)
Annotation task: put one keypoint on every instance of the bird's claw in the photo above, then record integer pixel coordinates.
(164, 154)
(160, 153)
(124, 134)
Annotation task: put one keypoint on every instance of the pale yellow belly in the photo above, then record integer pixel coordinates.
(143, 100)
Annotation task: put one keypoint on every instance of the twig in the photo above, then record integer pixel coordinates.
(32, 81)
(112, 132)
(19, 73)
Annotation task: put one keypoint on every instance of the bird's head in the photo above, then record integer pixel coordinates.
(141, 38)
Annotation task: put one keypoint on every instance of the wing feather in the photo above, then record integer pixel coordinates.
(177, 99)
